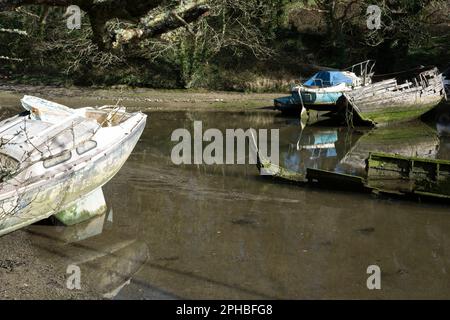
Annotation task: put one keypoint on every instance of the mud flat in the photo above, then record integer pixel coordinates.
(143, 99)
(29, 270)
(199, 232)
(26, 274)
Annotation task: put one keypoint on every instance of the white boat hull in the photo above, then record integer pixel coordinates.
(43, 199)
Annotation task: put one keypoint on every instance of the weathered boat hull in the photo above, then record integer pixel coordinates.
(397, 111)
(311, 101)
(413, 139)
(387, 102)
(43, 199)
(386, 173)
(408, 175)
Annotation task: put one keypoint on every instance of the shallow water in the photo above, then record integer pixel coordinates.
(225, 232)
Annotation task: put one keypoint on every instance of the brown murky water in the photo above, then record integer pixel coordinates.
(225, 232)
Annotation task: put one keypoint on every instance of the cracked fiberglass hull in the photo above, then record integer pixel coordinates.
(54, 192)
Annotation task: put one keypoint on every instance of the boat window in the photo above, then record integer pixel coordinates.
(8, 167)
(86, 146)
(58, 159)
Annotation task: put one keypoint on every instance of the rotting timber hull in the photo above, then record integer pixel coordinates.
(385, 173)
(390, 173)
(397, 111)
(387, 101)
(44, 199)
(413, 139)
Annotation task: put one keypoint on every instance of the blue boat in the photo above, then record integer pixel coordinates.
(322, 92)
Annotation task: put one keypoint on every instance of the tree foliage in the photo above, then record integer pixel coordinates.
(219, 44)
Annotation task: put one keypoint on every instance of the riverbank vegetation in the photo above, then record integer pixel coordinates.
(242, 45)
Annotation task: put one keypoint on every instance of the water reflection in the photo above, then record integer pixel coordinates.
(107, 257)
(345, 150)
(224, 232)
(315, 147)
(443, 128)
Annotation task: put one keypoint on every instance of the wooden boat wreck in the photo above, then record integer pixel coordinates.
(415, 173)
(388, 101)
(412, 139)
(389, 173)
(54, 160)
(385, 173)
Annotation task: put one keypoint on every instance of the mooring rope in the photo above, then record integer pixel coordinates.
(349, 116)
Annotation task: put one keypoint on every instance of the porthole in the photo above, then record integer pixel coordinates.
(58, 159)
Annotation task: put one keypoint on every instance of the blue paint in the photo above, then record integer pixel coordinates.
(326, 79)
(311, 95)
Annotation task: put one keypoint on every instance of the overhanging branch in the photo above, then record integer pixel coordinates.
(100, 13)
(153, 26)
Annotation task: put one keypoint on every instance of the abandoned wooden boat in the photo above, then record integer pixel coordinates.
(412, 139)
(386, 160)
(390, 173)
(323, 90)
(54, 160)
(388, 101)
(385, 173)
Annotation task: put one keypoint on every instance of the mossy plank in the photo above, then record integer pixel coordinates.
(394, 173)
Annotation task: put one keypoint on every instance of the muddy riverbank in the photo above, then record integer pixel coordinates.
(225, 232)
(144, 99)
(24, 274)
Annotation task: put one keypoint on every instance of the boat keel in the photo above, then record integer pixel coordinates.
(82, 209)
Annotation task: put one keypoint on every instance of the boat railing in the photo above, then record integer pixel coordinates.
(364, 70)
(428, 77)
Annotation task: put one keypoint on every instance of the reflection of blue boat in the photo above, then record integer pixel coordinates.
(323, 144)
(322, 140)
(311, 150)
(323, 90)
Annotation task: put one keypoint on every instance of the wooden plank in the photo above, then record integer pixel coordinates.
(383, 96)
(399, 174)
(334, 178)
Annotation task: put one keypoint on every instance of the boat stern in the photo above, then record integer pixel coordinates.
(286, 104)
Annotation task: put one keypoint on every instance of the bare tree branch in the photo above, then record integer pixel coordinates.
(164, 22)
(101, 12)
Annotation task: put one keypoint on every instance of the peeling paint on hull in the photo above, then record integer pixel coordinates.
(44, 198)
(400, 113)
(88, 206)
(388, 101)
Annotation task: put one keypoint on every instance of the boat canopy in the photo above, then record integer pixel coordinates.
(328, 79)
